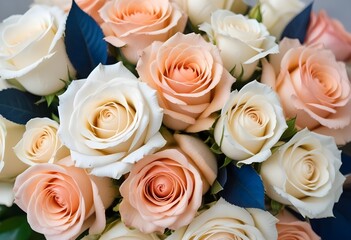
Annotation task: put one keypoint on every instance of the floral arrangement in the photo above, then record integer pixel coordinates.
(174, 119)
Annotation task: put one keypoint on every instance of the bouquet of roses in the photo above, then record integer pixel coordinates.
(174, 119)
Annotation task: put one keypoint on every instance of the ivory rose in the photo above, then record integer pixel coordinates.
(190, 80)
(118, 231)
(167, 186)
(32, 46)
(304, 173)
(91, 7)
(135, 24)
(226, 221)
(241, 41)
(330, 32)
(289, 227)
(200, 11)
(313, 87)
(277, 14)
(109, 121)
(40, 143)
(62, 201)
(10, 165)
(251, 123)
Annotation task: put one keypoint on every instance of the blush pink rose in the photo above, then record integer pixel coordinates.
(164, 190)
(61, 201)
(135, 24)
(289, 227)
(313, 87)
(330, 32)
(190, 80)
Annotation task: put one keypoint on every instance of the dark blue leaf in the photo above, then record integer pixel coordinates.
(19, 107)
(338, 227)
(346, 161)
(84, 39)
(243, 186)
(297, 27)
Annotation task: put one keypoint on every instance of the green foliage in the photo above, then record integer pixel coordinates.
(255, 13)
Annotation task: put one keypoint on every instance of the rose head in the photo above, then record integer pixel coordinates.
(313, 87)
(304, 173)
(277, 14)
(31, 46)
(40, 142)
(10, 165)
(226, 221)
(241, 41)
(109, 121)
(190, 80)
(331, 33)
(164, 190)
(251, 123)
(135, 24)
(289, 227)
(61, 201)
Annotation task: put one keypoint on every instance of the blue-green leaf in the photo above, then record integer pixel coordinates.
(84, 39)
(15, 228)
(242, 186)
(19, 107)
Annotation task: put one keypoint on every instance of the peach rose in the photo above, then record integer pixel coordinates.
(91, 7)
(164, 190)
(331, 33)
(61, 201)
(133, 25)
(289, 227)
(313, 87)
(190, 80)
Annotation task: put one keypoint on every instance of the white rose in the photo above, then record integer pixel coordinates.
(226, 221)
(304, 173)
(110, 121)
(118, 231)
(32, 50)
(276, 14)
(242, 41)
(10, 165)
(251, 123)
(40, 143)
(199, 11)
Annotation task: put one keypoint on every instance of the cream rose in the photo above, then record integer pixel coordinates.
(241, 41)
(62, 201)
(109, 121)
(40, 143)
(10, 165)
(289, 227)
(133, 25)
(118, 231)
(251, 123)
(33, 51)
(190, 80)
(200, 11)
(168, 186)
(304, 173)
(313, 87)
(226, 221)
(276, 14)
(91, 7)
(330, 32)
